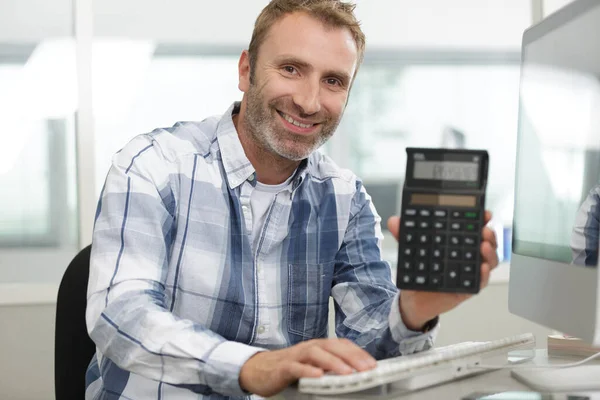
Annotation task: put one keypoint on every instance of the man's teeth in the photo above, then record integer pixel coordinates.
(294, 122)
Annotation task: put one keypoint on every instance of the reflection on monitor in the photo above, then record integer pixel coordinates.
(554, 268)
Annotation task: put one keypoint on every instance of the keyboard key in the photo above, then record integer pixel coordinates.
(406, 279)
(435, 280)
(410, 223)
(424, 225)
(407, 265)
(439, 225)
(438, 254)
(467, 282)
(409, 252)
(456, 226)
(411, 212)
(440, 213)
(425, 213)
(408, 238)
(423, 239)
(421, 266)
(452, 277)
(439, 239)
(423, 253)
(469, 255)
(468, 269)
(456, 214)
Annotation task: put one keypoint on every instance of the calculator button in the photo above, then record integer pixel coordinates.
(420, 280)
(422, 253)
(406, 279)
(410, 223)
(409, 238)
(437, 254)
(467, 282)
(468, 269)
(471, 227)
(455, 240)
(456, 226)
(425, 213)
(439, 239)
(407, 265)
(452, 277)
(469, 255)
(423, 238)
(471, 215)
(421, 266)
(409, 252)
(440, 213)
(454, 254)
(437, 267)
(410, 212)
(424, 225)
(470, 240)
(435, 280)
(456, 214)
(439, 225)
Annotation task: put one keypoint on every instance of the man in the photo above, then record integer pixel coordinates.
(218, 244)
(586, 230)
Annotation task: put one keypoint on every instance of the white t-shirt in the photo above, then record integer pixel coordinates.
(260, 200)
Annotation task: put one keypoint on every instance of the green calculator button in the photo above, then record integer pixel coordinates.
(470, 227)
(471, 214)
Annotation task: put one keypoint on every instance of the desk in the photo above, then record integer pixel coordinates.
(499, 380)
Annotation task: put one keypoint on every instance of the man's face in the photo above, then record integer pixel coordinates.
(300, 85)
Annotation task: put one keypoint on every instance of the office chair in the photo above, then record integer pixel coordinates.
(73, 348)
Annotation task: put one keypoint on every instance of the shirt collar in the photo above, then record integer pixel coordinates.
(237, 166)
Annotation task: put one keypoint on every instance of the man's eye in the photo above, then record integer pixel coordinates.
(334, 82)
(289, 69)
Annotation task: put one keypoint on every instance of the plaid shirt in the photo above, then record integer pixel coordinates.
(586, 230)
(177, 299)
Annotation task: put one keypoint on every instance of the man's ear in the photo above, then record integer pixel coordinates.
(244, 71)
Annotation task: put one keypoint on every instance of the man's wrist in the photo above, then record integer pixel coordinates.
(410, 317)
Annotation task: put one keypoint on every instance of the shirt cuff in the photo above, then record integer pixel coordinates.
(223, 367)
(409, 341)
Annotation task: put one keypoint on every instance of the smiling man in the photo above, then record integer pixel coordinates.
(218, 244)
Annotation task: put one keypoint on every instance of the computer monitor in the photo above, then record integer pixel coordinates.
(554, 277)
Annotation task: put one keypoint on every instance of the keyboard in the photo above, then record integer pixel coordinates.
(420, 370)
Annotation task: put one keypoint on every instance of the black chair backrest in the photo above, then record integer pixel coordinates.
(73, 348)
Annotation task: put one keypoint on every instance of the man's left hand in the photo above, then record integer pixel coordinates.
(417, 307)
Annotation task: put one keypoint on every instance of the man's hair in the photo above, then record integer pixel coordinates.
(332, 13)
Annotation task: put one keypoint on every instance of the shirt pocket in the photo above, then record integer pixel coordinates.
(309, 287)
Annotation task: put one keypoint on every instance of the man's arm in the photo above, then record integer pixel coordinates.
(128, 312)
(366, 299)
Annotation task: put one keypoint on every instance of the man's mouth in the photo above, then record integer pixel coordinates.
(295, 122)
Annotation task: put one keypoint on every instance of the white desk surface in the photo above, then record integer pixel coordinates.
(495, 381)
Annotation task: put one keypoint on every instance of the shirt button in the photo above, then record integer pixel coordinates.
(251, 177)
(245, 209)
(261, 329)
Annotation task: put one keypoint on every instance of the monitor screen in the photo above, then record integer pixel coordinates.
(557, 193)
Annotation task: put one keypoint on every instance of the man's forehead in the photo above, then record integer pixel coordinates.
(308, 37)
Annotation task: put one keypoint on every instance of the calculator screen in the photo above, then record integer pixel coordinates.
(446, 170)
(425, 199)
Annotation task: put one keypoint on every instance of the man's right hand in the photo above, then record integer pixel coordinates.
(268, 373)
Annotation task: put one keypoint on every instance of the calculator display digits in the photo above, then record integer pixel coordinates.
(443, 203)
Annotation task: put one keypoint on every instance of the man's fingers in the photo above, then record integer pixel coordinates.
(488, 254)
(485, 275)
(318, 357)
(351, 354)
(489, 235)
(393, 224)
(487, 217)
(296, 370)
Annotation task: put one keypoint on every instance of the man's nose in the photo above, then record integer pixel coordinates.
(307, 97)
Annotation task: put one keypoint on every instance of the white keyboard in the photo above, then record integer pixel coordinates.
(420, 370)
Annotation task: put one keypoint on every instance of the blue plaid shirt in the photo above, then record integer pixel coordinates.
(177, 298)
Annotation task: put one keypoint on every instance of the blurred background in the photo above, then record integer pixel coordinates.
(79, 78)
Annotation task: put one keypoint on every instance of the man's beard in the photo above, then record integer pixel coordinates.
(270, 135)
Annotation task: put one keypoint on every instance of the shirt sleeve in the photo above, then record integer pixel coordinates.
(586, 230)
(366, 300)
(129, 315)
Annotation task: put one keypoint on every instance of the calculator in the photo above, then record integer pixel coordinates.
(441, 220)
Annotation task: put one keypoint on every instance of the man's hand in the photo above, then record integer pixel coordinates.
(268, 373)
(416, 308)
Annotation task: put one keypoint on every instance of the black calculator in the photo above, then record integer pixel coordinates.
(441, 220)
